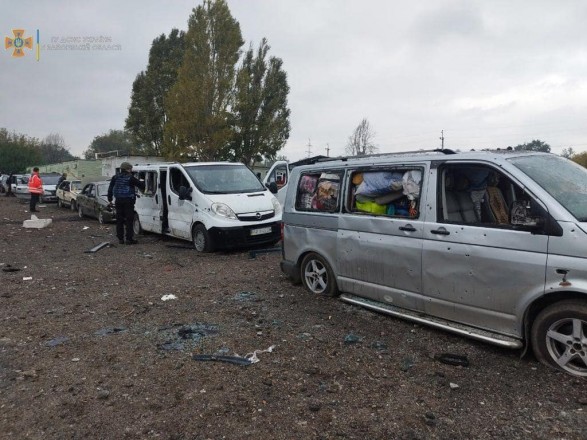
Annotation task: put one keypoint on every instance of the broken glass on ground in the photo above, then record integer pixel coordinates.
(57, 341)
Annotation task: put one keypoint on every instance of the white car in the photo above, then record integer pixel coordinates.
(67, 193)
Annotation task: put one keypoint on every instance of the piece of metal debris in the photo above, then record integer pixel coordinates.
(237, 360)
(98, 247)
(57, 341)
(9, 268)
(452, 359)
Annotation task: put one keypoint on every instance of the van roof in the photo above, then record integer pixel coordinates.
(415, 156)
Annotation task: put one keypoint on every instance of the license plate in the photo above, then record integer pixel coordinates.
(261, 231)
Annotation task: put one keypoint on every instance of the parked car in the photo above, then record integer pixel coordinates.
(488, 244)
(67, 193)
(4, 183)
(92, 201)
(21, 187)
(49, 186)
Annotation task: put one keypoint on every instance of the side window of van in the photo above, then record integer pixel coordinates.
(177, 180)
(386, 191)
(477, 194)
(319, 191)
(150, 180)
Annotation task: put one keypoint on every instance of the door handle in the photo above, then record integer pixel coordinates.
(169, 200)
(440, 231)
(408, 228)
(157, 199)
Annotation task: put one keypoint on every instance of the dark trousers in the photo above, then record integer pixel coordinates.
(125, 211)
(34, 200)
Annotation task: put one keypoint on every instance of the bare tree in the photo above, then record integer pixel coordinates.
(360, 143)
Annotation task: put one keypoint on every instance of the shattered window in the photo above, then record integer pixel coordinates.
(392, 192)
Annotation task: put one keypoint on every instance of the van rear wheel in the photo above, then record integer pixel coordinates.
(559, 336)
(202, 239)
(317, 275)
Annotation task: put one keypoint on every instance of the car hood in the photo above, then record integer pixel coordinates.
(244, 203)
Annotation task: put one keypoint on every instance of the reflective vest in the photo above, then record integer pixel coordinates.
(35, 184)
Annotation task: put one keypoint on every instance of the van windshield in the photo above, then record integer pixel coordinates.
(224, 179)
(563, 179)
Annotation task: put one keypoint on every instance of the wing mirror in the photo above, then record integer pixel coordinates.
(185, 193)
(272, 186)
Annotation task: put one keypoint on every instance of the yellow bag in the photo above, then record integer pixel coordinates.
(371, 207)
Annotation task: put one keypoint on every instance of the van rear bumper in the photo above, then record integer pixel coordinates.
(224, 238)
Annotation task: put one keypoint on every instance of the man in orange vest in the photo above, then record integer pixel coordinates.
(35, 188)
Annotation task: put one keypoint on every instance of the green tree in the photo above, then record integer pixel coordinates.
(199, 101)
(54, 150)
(147, 114)
(260, 116)
(115, 140)
(17, 152)
(360, 143)
(580, 158)
(535, 145)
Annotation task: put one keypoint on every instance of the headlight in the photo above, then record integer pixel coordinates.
(223, 210)
(276, 206)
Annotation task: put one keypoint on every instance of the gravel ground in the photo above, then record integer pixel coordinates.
(88, 349)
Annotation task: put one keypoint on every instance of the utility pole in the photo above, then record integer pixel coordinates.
(327, 150)
(442, 138)
(309, 148)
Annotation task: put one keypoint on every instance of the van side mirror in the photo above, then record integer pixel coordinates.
(521, 215)
(185, 193)
(272, 187)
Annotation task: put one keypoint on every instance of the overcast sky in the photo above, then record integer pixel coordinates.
(489, 73)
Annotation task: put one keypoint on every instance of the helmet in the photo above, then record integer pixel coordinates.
(125, 166)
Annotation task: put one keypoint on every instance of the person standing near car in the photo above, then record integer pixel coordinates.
(61, 179)
(122, 188)
(35, 189)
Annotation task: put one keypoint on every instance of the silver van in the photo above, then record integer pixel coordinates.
(490, 245)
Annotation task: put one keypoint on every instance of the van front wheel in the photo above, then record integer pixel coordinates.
(202, 240)
(317, 275)
(559, 336)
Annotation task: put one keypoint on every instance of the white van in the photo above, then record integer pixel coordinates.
(491, 245)
(214, 204)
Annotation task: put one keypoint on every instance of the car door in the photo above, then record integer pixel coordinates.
(278, 174)
(380, 247)
(475, 264)
(180, 212)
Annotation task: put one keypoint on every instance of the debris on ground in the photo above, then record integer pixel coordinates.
(168, 297)
(98, 247)
(452, 359)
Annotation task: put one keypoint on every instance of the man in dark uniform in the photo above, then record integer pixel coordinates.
(122, 188)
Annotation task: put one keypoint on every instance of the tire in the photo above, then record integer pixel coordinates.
(202, 240)
(59, 203)
(317, 276)
(101, 219)
(80, 213)
(559, 336)
(136, 225)
(72, 205)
